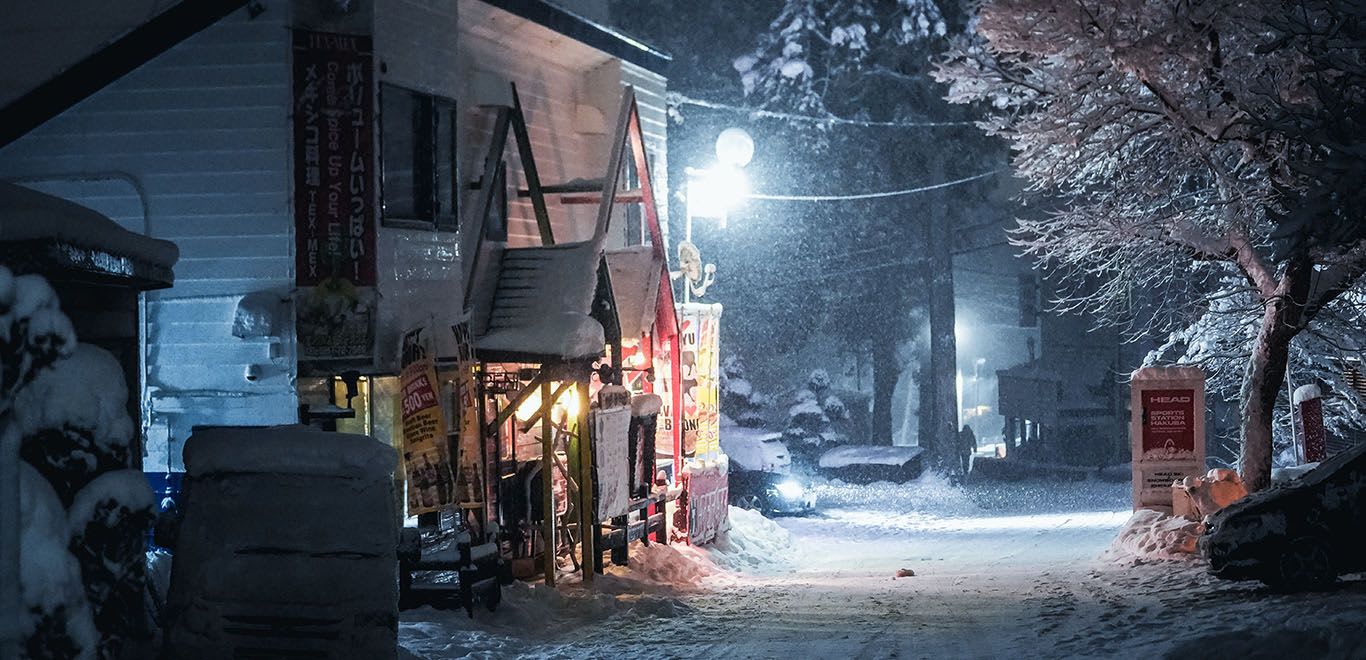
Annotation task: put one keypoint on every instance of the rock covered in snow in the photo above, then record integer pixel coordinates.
(1194, 498)
(57, 621)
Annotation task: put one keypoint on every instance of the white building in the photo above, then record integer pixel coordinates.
(182, 121)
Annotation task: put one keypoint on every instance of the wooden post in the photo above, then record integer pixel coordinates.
(587, 514)
(547, 486)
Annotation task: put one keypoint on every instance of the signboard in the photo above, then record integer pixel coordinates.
(1308, 418)
(707, 502)
(1167, 431)
(611, 430)
(1168, 425)
(426, 460)
(334, 197)
(699, 375)
(468, 436)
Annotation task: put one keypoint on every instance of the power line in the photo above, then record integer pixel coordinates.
(677, 99)
(876, 195)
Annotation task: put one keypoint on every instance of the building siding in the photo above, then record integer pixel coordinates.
(202, 133)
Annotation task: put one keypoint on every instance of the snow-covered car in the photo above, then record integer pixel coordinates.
(287, 547)
(868, 463)
(770, 493)
(1298, 535)
(755, 449)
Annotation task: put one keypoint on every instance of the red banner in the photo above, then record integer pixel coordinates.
(334, 159)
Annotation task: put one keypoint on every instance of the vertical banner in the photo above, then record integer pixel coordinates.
(1166, 431)
(426, 459)
(700, 374)
(468, 438)
(334, 196)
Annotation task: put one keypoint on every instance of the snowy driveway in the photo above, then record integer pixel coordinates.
(1001, 571)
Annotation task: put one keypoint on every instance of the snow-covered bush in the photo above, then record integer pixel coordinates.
(63, 407)
(834, 408)
(73, 421)
(33, 331)
(818, 381)
(57, 622)
(112, 559)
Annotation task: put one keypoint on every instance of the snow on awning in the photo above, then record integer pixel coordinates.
(52, 233)
(635, 287)
(540, 306)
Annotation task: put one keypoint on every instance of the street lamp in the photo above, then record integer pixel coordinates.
(712, 192)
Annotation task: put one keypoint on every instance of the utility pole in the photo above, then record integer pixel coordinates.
(943, 345)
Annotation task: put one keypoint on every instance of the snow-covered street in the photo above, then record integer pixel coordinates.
(990, 580)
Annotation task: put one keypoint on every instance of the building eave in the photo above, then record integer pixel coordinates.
(601, 37)
(113, 61)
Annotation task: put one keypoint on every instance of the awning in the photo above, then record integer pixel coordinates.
(40, 233)
(540, 308)
(636, 272)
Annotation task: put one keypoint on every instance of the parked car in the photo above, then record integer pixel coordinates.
(770, 493)
(1298, 535)
(287, 547)
(861, 464)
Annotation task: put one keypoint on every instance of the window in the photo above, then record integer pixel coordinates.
(417, 157)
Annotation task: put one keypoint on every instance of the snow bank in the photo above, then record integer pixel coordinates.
(675, 566)
(752, 543)
(868, 455)
(528, 614)
(1151, 536)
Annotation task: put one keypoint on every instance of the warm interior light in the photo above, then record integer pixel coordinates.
(567, 404)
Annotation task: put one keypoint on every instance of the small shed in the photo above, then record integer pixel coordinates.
(97, 268)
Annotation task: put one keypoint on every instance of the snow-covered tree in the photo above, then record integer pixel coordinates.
(739, 400)
(869, 61)
(82, 511)
(1171, 144)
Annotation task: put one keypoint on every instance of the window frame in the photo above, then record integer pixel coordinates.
(429, 191)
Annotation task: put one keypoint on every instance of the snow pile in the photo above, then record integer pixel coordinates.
(1154, 536)
(868, 455)
(752, 543)
(674, 566)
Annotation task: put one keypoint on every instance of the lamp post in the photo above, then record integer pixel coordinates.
(976, 378)
(712, 192)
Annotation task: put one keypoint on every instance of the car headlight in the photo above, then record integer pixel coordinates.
(790, 490)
